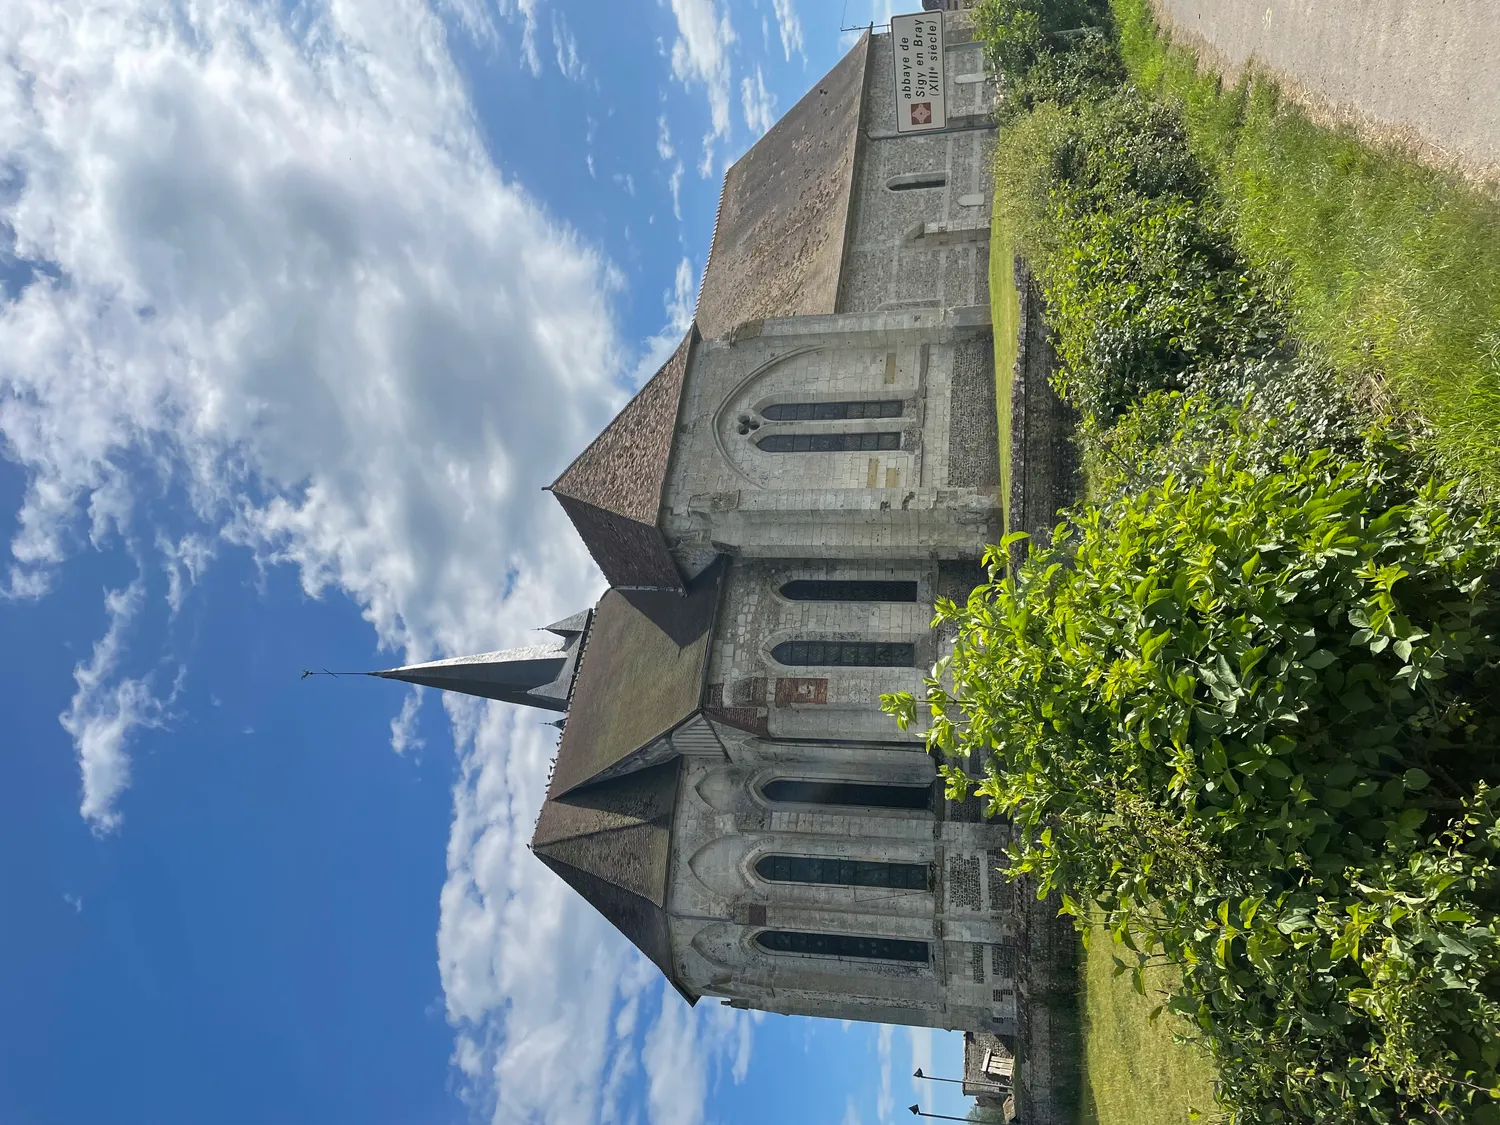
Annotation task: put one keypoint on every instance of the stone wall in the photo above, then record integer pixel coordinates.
(726, 494)
(718, 903)
(891, 260)
(1044, 476)
(807, 702)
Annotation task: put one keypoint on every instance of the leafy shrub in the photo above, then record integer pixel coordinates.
(1143, 283)
(1058, 52)
(1246, 717)
(1141, 294)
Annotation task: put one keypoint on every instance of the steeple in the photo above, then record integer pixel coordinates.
(539, 675)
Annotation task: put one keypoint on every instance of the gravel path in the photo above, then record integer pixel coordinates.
(1424, 72)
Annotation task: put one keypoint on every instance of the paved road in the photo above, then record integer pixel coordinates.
(1424, 70)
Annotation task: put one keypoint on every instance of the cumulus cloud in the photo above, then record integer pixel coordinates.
(790, 26)
(104, 712)
(758, 103)
(683, 1049)
(700, 56)
(273, 270)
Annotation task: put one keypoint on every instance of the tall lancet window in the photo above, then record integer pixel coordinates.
(838, 872)
(819, 590)
(848, 794)
(863, 654)
(832, 411)
(830, 443)
(843, 945)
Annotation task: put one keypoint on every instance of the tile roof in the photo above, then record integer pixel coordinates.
(612, 491)
(641, 674)
(611, 842)
(778, 244)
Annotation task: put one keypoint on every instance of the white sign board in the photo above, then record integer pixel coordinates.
(917, 44)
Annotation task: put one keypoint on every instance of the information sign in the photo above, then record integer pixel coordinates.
(917, 45)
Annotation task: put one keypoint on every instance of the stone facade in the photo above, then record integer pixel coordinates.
(718, 904)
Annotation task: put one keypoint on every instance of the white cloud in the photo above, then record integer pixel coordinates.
(758, 103)
(884, 1102)
(674, 181)
(921, 1054)
(790, 26)
(102, 714)
(664, 147)
(404, 725)
(700, 54)
(682, 1050)
(284, 279)
(563, 40)
(680, 302)
(851, 1112)
(185, 562)
(475, 17)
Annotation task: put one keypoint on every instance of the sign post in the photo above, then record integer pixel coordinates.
(917, 46)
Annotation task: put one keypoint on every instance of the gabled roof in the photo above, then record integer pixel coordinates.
(613, 490)
(641, 674)
(778, 245)
(611, 842)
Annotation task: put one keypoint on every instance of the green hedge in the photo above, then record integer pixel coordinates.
(1245, 717)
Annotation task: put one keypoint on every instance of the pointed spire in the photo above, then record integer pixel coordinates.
(539, 675)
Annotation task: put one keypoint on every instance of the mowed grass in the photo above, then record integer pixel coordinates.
(1005, 317)
(1392, 269)
(1134, 1072)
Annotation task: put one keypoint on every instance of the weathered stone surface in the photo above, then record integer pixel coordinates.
(1044, 458)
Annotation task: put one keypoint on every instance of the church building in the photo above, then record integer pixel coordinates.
(775, 512)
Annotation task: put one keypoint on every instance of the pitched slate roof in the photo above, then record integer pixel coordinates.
(642, 673)
(613, 489)
(778, 244)
(611, 842)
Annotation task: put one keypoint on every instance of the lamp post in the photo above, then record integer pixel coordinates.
(918, 1074)
(940, 1116)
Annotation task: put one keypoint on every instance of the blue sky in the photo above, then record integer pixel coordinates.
(301, 306)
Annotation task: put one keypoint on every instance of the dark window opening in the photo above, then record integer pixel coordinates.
(864, 654)
(843, 945)
(849, 793)
(829, 443)
(832, 411)
(917, 183)
(812, 590)
(830, 871)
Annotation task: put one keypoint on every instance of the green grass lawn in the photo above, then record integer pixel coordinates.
(1392, 269)
(1005, 314)
(1134, 1072)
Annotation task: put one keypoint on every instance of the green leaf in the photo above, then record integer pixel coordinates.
(1416, 780)
(1319, 659)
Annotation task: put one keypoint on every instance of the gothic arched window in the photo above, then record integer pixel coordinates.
(855, 794)
(837, 872)
(830, 443)
(863, 654)
(843, 945)
(832, 411)
(819, 590)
